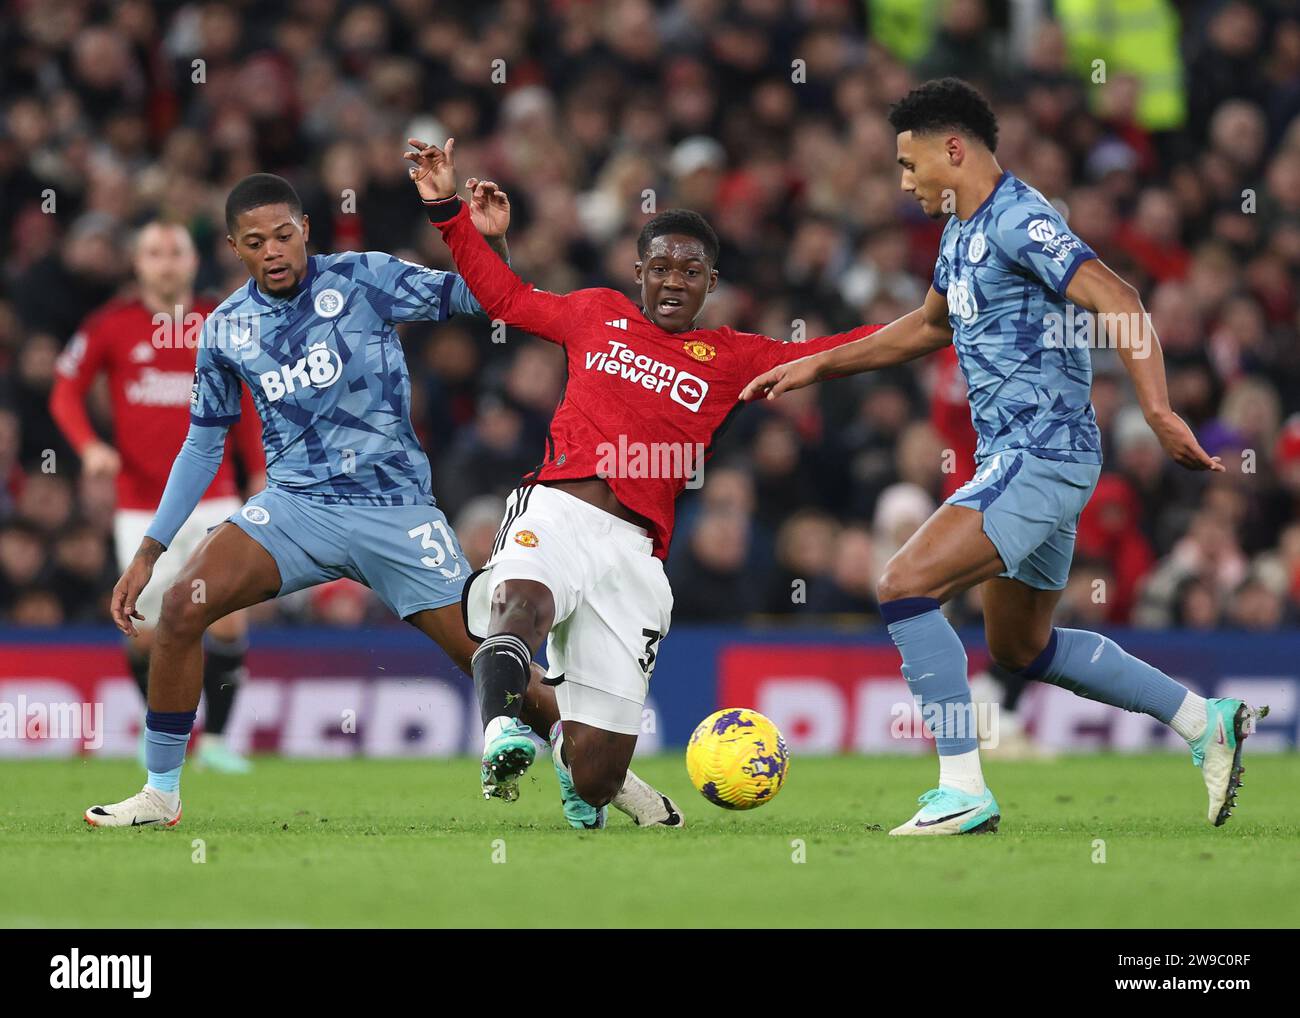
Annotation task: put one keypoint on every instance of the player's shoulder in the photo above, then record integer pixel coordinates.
(109, 314)
(368, 265)
(1018, 208)
(605, 298)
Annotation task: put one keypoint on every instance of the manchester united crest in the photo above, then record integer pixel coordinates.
(700, 350)
(526, 537)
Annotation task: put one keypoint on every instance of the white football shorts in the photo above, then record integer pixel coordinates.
(129, 526)
(613, 603)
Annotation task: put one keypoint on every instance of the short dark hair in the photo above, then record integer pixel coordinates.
(946, 104)
(685, 222)
(256, 190)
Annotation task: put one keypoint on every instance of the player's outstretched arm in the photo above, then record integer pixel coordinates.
(503, 295)
(1119, 307)
(913, 335)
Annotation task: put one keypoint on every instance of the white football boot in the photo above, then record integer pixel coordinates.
(147, 808)
(947, 810)
(1218, 752)
(646, 806)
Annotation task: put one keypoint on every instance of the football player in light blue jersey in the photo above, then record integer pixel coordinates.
(1021, 297)
(348, 487)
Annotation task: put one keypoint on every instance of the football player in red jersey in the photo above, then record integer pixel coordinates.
(578, 561)
(145, 344)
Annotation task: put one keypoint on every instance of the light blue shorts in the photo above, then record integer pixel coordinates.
(407, 554)
(1031, 510)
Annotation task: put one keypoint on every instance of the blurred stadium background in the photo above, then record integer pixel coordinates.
(1167, 132)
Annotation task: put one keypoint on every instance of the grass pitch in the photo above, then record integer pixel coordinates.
(410, 843)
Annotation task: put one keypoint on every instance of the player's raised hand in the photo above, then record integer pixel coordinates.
(1181, 445)
(433, 170)
(127, 591)
(489, 207)
(782, 378)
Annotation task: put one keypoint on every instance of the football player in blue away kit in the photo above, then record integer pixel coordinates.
(349, 492)
(1008, 270)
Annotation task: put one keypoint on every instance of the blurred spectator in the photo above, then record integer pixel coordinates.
(1186, 182)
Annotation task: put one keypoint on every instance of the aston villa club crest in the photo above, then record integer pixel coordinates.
(700, 350)
(329, 303)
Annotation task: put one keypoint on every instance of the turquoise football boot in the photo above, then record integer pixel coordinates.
(1218, 752)
(947, 811)
(215, 755)
(580, 813)
(505, 759)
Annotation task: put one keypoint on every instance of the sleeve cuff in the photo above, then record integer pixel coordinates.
(1069, 273)
(443, 210)
(213, 422)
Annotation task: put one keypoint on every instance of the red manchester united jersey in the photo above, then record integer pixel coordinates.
(637, 399)
(150, 386)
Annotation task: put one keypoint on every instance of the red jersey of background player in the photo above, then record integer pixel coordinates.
(950, 415)
(150, 388)
(633, 389)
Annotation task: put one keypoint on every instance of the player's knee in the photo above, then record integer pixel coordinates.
(896, 582)
(184, 613)
(1014, 654)
(524, 609)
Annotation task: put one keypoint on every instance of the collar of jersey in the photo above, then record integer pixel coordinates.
(266, 300)
(1006, 174)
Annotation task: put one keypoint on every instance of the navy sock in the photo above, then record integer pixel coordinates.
(1096, 667)
(166, 735)
(934, 665)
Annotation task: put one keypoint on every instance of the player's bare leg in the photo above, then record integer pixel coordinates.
(949, 554)
(1018, 625)
(228, 571)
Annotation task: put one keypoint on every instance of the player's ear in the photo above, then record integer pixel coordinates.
(636, 271)
(233, 246)
(713, 280)
(956, 150)
(306, 227)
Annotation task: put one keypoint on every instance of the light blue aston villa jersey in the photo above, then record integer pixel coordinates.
(328, 375)
(1005, 271)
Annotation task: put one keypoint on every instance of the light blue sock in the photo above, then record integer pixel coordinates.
(165, 737)
(934, 665)
(1093, 666)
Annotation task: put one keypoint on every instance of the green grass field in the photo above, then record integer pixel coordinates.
(409, 843)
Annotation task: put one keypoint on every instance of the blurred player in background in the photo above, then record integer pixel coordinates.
(139, 344)
(1007, 271)
(349, 491)
(578, 561)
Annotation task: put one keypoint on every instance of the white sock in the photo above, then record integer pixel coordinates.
(495, 727)
(962, 771)
(1190, 719)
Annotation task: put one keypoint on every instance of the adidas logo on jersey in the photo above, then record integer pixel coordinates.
(622, 361)
(618, 323)
(320, 369)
